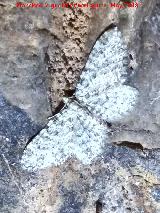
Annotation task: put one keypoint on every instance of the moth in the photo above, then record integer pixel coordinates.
(101, 96)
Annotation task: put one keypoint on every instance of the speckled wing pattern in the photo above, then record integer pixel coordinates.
(101, 92)
(69, 134)
(101, 87)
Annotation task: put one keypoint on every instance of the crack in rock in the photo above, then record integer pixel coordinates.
(142, 137)
(102, 90)
(135, 146)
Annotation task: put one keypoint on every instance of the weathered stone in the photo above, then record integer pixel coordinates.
(22, 56)
(121, 179)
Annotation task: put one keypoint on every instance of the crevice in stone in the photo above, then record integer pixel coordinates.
(131, 68)
(128, 209)
(58, 108)
(46, 58)
(130, 56)
(32, 137)
(69, 93)
(131, 145)
(109, 124)
(2, 5)
(99, 206)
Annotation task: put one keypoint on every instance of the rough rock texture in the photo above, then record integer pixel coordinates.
(22, 57)
(121, 180)
(42, 53)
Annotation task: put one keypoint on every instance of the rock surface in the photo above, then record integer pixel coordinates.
(42, 54)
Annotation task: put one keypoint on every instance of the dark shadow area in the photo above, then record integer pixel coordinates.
(99, 206)
(131, 145)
